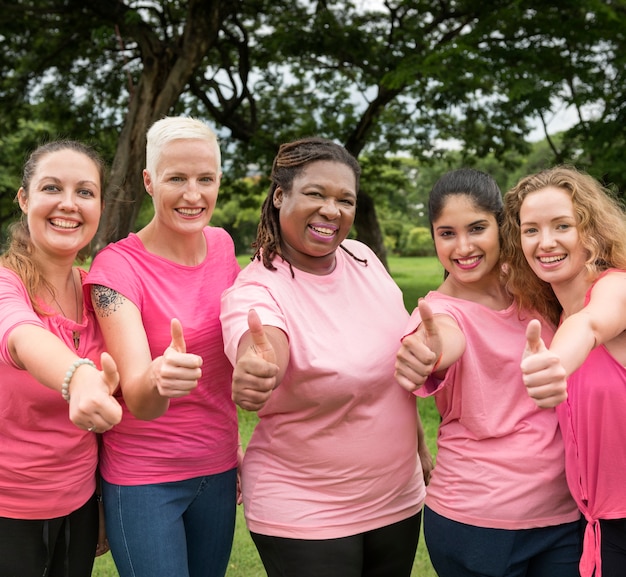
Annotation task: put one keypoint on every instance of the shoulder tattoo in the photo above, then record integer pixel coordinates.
(105, 300)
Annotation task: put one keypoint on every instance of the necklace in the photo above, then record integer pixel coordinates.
(75, 334)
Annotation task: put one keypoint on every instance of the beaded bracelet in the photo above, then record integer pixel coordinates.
(65, 387)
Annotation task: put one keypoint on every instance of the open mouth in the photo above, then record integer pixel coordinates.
(62, 223)
(551, 259)
(190, 211)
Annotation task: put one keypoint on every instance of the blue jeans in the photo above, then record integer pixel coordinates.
(460, 550)
(182, 529)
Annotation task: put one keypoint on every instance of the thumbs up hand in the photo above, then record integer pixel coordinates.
(92, 405)
(542, 371)
(254, 375)
(420, 351)
(176, 372)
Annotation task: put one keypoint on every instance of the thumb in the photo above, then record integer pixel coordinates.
(428, 320)
(109, 371)
(178, 340)
(260, 342)
(534, 342)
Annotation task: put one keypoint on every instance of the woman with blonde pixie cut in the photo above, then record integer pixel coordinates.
(565, 248)
(170, 470)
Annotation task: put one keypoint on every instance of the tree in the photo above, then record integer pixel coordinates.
(402, 75)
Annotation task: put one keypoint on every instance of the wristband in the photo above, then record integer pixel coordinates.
(437, 362)
(65, 387)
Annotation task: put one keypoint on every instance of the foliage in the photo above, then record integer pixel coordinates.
(400, 76)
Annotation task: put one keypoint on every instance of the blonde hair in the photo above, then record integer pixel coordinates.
(172, 128)
(601, 225)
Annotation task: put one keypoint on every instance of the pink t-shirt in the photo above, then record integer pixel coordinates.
(593, 420)
(47, 464)
(500, 459)
(335, 450)
(198, 433)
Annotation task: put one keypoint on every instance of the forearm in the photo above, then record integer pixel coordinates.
(574, 340)
(48, 362)
(142, 397)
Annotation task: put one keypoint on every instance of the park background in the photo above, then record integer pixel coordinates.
(412, 88)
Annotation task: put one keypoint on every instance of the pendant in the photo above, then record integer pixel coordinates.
(76, 339)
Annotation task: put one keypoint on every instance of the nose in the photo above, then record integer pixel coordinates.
(67, 201)
(546, 240)
(465, 244)
(192, 191)
(330, 208)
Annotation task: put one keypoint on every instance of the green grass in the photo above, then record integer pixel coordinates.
(415, 276)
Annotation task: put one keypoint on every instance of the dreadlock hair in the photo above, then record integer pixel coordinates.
(291, 160)
(18, 256)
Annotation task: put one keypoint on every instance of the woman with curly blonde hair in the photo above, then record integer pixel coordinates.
(565, 247)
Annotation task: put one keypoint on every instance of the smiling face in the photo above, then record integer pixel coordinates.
(466, 240)
(63, 204)
(549, 236)
(186, 184)
(316, 215)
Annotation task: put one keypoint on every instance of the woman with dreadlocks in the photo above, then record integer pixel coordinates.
(331, 480)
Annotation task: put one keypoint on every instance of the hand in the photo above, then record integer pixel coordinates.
(254, 375)
(92, 405)
(176, 372)
(419, 351)
(102, 545)
(426, 460)
(542, 371)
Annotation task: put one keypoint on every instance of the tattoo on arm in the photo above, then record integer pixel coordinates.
(105, 300)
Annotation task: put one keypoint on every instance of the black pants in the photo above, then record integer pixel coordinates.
(613, 547)
(61, 547)
(385, 552)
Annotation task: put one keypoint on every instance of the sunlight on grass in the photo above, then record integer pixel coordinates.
(415, 276)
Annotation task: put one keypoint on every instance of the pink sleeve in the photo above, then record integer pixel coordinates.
(15, 309)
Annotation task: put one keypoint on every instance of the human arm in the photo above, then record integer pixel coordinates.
(545, 370)
(91, 404)
(426, 459)
(437, 344)
(147, 384)
(261, 362)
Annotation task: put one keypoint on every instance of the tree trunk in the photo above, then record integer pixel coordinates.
(167, 69)
(367, 227)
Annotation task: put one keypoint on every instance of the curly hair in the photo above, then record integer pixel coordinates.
(291, 160)
(601, 225)
(18, 255)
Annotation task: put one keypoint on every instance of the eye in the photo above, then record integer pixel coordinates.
(478, 228)
(529, 230)
(347, 201)
(50, 188)
(563, 226)
(446, 234)
(86, 193)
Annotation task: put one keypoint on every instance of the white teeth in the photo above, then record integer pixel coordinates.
(189, 211)
(468, 261)
(551, 259)
(324, 231)
(64, 223)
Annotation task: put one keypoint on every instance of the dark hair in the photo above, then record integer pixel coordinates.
(291, 160)
(479, 186)
(18, 255)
